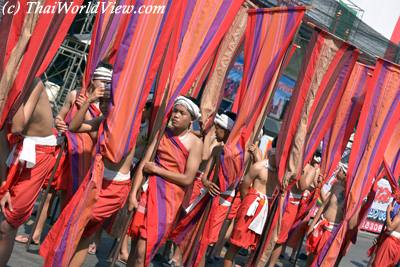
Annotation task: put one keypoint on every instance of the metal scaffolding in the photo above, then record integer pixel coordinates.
(67, 67)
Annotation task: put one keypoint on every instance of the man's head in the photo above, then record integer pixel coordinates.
(184, 112)
(272, 153)
(102, 77)
(147, 108)
(316, 160)
(342, 172)
(223, 125)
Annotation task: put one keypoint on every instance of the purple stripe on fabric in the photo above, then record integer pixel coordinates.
(255, 44)
(188, 14)
(72, 138)
(135, 117)
(96, 45)
(371, 112)
(328, 244)
(214, 29)
(396, 161)
(328, 108)
(382, 132)
(58, 255)
(161, 208)
(109, 35)
(290, 21)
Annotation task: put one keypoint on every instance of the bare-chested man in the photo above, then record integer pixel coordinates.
(306, 182)
(30, 164)
(62, 179)
(329, 215)
(257, 188)
(177, 160)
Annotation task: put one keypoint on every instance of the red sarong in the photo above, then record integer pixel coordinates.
(26, 183)
(388, 252)
(235, 206)
(160, 204)
(112, 197)
(317, 239)
(242, 236)
(288, 219)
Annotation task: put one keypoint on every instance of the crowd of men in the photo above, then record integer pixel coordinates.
(170, 183)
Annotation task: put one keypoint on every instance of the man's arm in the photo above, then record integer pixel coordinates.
(78, 123)
(192, 165)
(248, 180)
(392, 225)
(307, 178)
(4, 151)
(318, 215)
(213, 188)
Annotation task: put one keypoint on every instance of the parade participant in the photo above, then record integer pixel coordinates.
(257, 188)
(62, 179)
(329, 215)
(30, 164)
(177, 160)
(306, 181)
(388, 248)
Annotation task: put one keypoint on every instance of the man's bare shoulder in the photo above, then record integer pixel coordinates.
(259, 166)
(195, 141)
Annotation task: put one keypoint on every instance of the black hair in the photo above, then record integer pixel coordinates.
(231, 115)
(105, 65)
(274, 141)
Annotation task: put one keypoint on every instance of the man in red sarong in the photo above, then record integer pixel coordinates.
(308, 178)
(329, 216)
(257, 187)
(177, 160)
(63, 178)
(30, 163)
(388, 248)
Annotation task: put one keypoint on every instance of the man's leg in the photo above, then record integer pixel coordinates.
(81, 251)
(230, 255)
(41, 223)
(137, 256)
(7, 235)
(275, 255)
(124, 251)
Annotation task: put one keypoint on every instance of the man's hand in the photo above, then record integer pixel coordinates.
(212, 188)
(6, 202)
(150, 168)
(80, 100)
(60, 124)
(132, 201)
(97, 93)
(390, 207)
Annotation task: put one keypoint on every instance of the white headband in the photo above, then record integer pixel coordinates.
(224, 121)
(103, 74)
(189, 105)
(317, 159)
(343, 167)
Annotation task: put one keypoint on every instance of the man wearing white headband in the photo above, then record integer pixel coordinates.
(178, 158)
(328, 217)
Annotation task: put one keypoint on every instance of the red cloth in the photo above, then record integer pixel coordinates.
(242, 236)
(160, 204)
(112, 197)
(235, 206)
(388, 252)
(288, 219)
(27, 183)
(317, 239)
(62, 176)
(297, 235)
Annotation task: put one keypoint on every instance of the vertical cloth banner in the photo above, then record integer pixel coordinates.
(137, 49)
(327, 67)
(379, 116)
(197, 38)
(41, 36)
(269, 33)
(227, 51)
(336, 138)
(108, 29)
